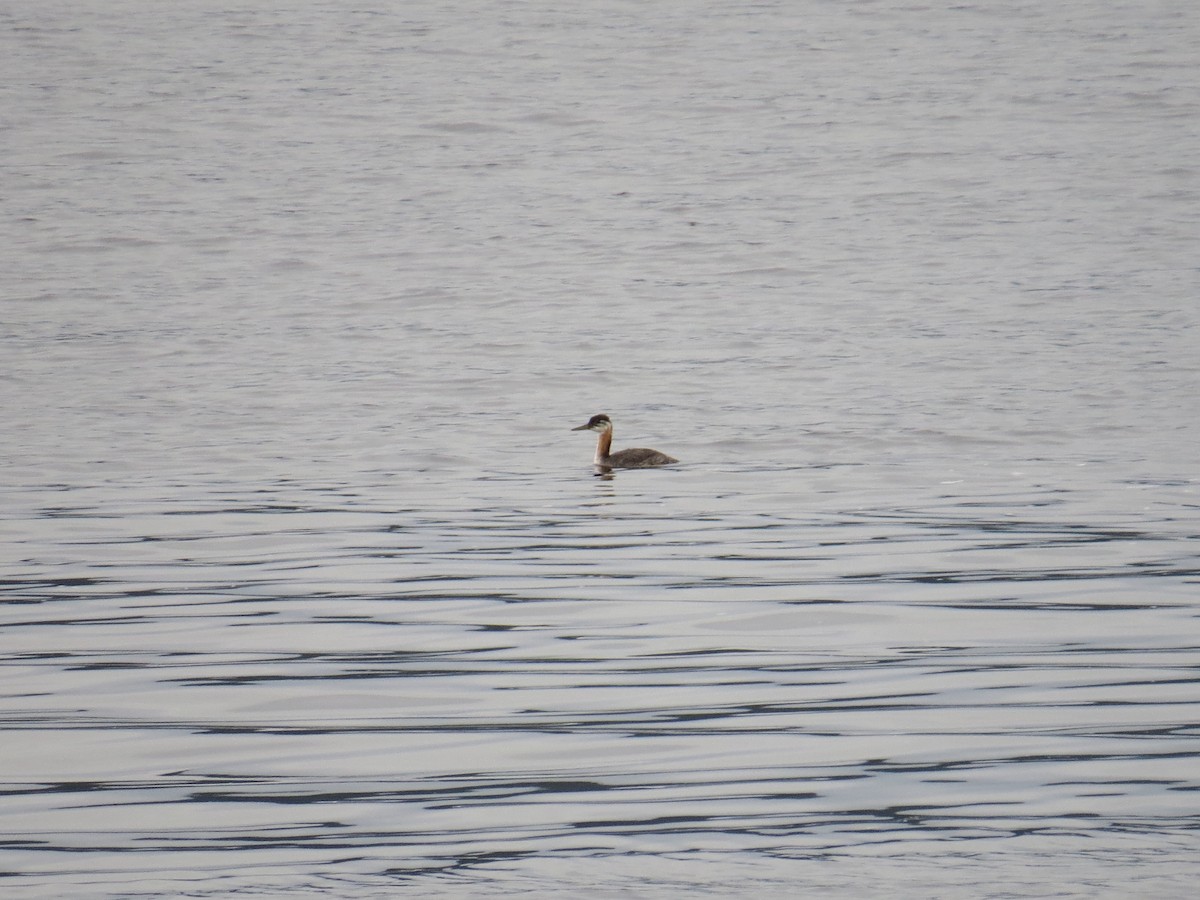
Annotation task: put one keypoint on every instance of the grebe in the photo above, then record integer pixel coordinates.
(633, 458)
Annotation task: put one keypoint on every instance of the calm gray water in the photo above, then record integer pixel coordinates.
(309, 590)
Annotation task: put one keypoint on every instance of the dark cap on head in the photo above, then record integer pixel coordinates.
(600, 420)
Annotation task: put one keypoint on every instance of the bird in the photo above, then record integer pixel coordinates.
(633, 458)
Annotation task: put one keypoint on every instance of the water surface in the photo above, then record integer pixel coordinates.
(309, 590)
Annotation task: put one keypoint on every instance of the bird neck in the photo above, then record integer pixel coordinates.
(603, 445)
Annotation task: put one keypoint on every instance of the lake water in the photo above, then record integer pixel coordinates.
(309, 590)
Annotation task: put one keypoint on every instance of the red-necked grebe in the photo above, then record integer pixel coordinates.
(633, 458)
